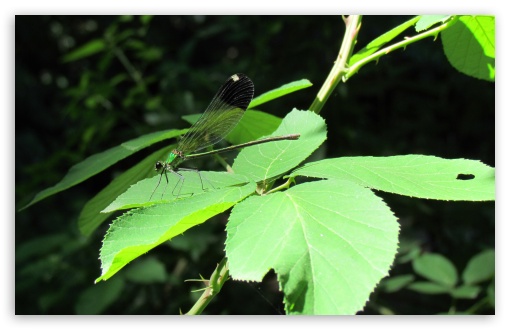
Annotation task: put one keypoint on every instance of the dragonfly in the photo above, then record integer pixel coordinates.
(220, 117)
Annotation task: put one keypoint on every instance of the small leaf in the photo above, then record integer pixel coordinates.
(410, 175)
(395, 283)
(469, 46)
(437, 268)
(90, 48)
(280, 91)
(466, 292)
(429, 288)
(329, 241)
(480, 268)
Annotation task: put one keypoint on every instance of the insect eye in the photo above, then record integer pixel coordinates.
(158, 166)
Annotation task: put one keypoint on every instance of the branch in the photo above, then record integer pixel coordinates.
(352, 24)
(214, 285)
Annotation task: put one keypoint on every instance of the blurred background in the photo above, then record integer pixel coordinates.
(140, 74)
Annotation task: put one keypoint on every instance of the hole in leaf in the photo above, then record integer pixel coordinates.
(465, 177)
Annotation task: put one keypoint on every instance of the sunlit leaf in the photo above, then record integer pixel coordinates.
(470, 44)
(137, 232)
(330, 242)
(280, 91)
(411, 175)
(267, 160)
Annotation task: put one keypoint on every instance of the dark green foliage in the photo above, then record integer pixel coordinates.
(87, 84)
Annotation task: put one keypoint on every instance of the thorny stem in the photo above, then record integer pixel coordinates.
(352, 24)
(214, 285)
(341, 70)
(401, 44)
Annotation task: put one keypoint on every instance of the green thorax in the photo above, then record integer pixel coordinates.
(175, 158)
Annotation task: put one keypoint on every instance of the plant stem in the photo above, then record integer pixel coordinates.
(342, 71)
(214, 285)
(352, 24)
(281, 187)
(401, 44)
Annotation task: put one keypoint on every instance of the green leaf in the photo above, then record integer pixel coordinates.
(91, 216)
(469, 46)
(193, 118)
(273, 158)
(90, 48)
(329, 241)
(96, 299)
(411, 175)
(382, 40)
(427, 21)
(480, 268)
(265, 161)
(429, 288)
(395, 283)
(101, 161)
(137, 232)
(253, 125)
(149, 139)
(193, 183)
(280, 91)
(466, 292)
(436, 268)
(146, 271)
